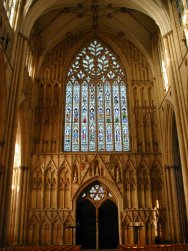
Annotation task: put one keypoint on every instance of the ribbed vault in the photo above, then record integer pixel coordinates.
(133, 19)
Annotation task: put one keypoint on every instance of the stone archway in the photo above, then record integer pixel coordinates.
(97, 218)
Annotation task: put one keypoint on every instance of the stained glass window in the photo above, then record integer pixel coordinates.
(97, 192)
(182, 9)
(96, 114)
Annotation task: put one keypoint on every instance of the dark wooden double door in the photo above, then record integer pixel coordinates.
(98, 227)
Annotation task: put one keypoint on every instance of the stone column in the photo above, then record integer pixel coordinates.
(134, 194)
(172, 201)
(121, 227)
(181, 124)
(128, 196)
(175, 206)
(21, 207)
(148, 203)
(169, 199)
(97, 228)
(10, 135)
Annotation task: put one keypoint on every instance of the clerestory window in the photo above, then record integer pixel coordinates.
(96, 114)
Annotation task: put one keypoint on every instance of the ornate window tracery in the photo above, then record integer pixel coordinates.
(96, 193)
(96, 114)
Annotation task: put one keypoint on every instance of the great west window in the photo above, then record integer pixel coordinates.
(96, 116)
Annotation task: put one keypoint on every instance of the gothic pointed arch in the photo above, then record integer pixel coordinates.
(57, 231)
(96, 112)
(143, 185)
(169, 111)
(34, 227)
(45, 231)
(96, 193)
(111, 188)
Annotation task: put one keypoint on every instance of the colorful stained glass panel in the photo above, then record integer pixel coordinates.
(96, 115)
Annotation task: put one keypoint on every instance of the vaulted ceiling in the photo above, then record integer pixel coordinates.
(131, 19)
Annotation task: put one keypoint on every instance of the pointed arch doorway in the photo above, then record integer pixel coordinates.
(108, 225)
(97, 218)
(86, 220)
